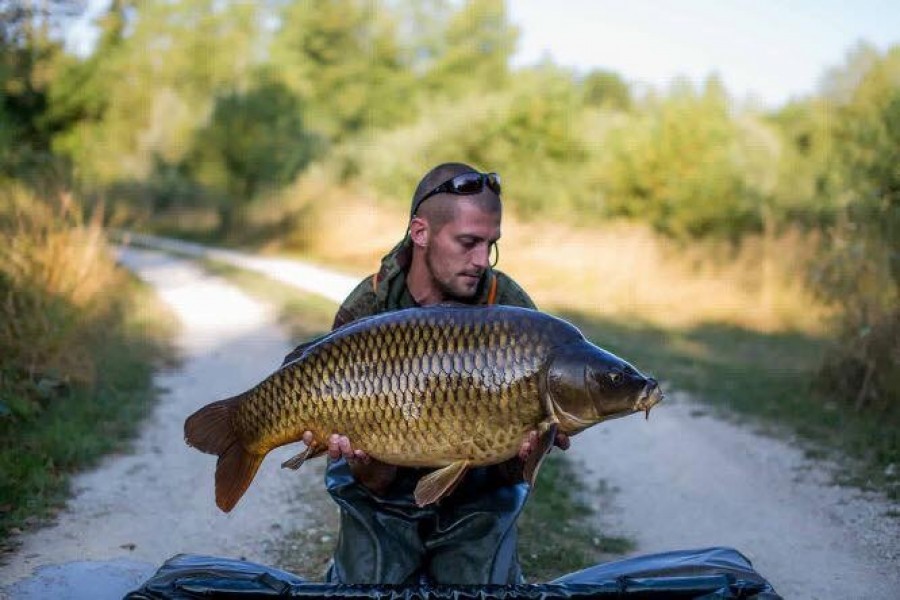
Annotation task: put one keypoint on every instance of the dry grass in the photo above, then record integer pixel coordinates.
(625, 270)
(55, 277)
(622, 270)
(79, 340)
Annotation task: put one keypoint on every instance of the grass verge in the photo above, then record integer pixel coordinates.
(77, 424)
(557, 530)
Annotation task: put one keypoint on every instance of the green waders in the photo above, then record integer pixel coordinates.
(467, 538)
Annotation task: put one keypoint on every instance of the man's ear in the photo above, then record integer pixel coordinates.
(419, 231)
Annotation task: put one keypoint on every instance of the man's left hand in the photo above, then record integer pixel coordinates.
(529, 444)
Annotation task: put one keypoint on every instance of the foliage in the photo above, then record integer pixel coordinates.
(75, 363)
(30, 60)
(54, 276)
(861, 272)
(606, 89)
(342, 57)
(152, 82)
(680, 164)
(254, 140)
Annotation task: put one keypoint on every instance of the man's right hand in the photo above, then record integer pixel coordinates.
(373, 474)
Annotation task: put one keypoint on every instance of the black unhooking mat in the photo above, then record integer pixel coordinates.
(707, 574)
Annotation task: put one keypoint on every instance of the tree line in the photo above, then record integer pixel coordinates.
(214, 104)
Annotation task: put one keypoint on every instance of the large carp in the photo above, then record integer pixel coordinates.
(443, 386)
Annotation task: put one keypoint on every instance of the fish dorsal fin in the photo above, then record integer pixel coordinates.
(299, 350)
(437, 484)
(546, 435)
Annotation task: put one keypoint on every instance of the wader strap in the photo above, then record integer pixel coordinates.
(492, 293)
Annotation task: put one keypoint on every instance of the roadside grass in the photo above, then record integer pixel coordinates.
(766, 377)
(79, 339)
(77, 424)
(557, 530)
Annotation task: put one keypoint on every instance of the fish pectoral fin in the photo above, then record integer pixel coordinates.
(311, 451)
(440, 483)
(547, 433)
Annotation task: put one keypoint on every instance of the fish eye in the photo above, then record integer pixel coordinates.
(615, 377)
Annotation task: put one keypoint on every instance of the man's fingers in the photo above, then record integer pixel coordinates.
(344, 445)
(528, 444)
(339, 445)
(308, 438)
(334, 451)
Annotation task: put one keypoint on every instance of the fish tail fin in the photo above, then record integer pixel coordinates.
(211, 430)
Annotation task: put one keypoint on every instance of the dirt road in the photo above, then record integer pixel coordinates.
(685, 479)
(682, 479)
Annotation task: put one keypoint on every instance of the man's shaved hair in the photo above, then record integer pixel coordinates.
(440, 209)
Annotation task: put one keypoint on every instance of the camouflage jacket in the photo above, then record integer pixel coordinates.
(386, 290)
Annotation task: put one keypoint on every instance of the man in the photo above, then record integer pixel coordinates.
(470, 536)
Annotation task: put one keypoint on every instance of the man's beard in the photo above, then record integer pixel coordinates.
(448, 292)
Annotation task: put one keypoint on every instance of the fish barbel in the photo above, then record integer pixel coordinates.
(450, 387)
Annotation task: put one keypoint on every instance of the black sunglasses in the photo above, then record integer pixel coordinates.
(466, 184)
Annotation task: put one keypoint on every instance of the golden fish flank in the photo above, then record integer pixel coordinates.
(449, 387)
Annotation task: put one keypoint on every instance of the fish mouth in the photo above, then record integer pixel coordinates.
(650, 396)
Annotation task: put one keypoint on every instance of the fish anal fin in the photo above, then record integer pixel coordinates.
(311, 451)
(440, 483)
(546, 435)
(235, 470)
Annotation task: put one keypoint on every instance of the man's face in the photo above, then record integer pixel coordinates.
(459, 253)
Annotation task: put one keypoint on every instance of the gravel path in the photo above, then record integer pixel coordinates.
(142, 508)
(683, 479)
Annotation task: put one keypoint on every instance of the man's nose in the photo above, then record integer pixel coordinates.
(481, 256)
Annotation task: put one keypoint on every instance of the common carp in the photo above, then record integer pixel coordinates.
(442, 386)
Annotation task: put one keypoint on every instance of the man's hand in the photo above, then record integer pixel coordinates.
(339, 445)
(529, 444)
(371, 473)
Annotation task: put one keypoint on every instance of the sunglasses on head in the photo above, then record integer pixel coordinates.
(466, 184)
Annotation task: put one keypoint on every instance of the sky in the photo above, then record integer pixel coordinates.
(766, 50)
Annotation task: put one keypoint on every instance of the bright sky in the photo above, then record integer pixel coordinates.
(770, 50)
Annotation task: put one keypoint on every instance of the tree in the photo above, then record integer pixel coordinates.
(474, 51)
(152, 81)
(343, 58)
(606, 89)
(29, 56)
(254, 140)
(681, 165)
(861, 271)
